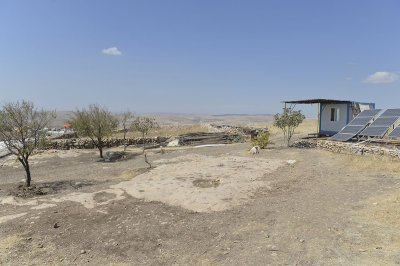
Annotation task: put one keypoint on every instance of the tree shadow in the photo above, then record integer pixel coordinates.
(57, 186)
(126, 157)
(49, 188)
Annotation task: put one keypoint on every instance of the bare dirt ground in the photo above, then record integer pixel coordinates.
(207, 206)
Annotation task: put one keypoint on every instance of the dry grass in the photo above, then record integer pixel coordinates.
(384, 210)
(382, 214)
(308, 126)
(372, 163)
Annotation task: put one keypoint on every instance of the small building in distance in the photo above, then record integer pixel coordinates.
(333, 115)
(67, 128)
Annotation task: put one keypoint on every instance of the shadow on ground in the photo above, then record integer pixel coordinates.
(49, 188)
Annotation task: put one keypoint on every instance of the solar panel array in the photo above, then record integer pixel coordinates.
(374, 131)
(342, 136)
(382, 124)
(391, 112)
(356, 125)
(395, 133)
(360, 121)
(369, 113)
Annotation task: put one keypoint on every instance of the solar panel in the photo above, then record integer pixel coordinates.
(352, 129)
(356, 125)
(375, 131)
(384, 121)
(369, 113)
(395, 133)
(360, 121)
(382, 124)
(391, 112)
(342, 137)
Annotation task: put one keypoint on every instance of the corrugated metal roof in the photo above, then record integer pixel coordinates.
(309, 101)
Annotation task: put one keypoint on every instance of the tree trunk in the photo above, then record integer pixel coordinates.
(100, 147)
(28, 174)
(25, 164)
(144, 142)
(146, 161)
(284, 137)
(125, 139)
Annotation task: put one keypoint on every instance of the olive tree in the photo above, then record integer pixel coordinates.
(96, 123)
(126, 122)
(288, 121)
(144, 125)
(22, 130)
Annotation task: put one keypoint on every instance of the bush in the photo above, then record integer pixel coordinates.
(288, 121)
(96, 123)
(261, 140)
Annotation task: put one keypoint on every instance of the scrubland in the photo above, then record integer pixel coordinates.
(203, 206)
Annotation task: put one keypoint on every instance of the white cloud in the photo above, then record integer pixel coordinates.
(351, 63)
(382, 77)
(111, 51)
(348, 78)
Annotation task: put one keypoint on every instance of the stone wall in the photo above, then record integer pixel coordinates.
(358, 148)
(85, 143)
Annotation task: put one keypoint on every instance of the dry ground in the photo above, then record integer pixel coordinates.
(206, 206)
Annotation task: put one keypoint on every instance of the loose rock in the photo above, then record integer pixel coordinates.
(304, 144)
(113, 156)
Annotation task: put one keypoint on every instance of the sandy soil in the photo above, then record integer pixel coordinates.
(211, 205)
(202, 183)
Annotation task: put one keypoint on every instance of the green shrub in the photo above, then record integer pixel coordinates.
(261, 140)
(288, 121)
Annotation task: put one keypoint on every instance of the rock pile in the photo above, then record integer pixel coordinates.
(203, 138)
(358, 148)
(255, 131)
(85, 143)
(304, 144)
(233, 130)
(68, 135)
(112, 156)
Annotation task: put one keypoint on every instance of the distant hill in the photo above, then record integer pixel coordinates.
(244, 115)
(228, 119)
(184, 119)
(61, 119)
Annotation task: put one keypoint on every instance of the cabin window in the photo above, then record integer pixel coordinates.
(334, 114)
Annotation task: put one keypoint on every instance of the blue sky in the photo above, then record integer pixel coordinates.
(208, 56)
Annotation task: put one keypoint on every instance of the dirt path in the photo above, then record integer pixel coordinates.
(318, 211)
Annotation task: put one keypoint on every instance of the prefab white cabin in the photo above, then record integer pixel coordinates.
(333, 115)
